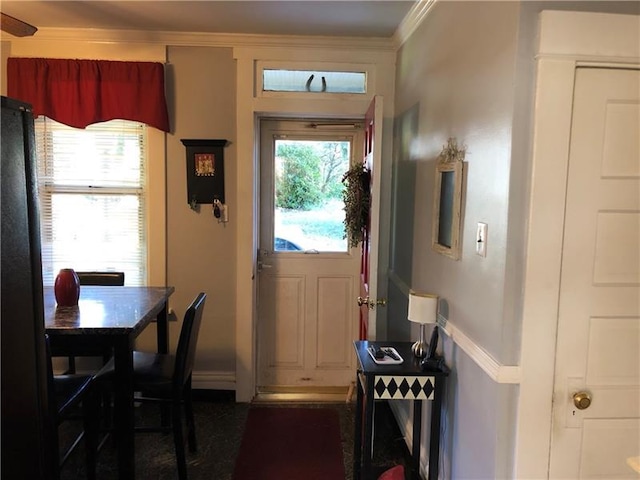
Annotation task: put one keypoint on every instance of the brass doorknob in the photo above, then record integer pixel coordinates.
(581, 400)
(371, 303)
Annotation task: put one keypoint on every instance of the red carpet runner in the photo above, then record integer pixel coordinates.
(290, 444)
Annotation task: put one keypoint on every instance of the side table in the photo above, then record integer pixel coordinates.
(405, 381)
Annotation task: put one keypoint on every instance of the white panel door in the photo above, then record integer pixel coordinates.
(308, 275)
(598, 344)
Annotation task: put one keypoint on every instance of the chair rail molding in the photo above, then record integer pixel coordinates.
(497, 371)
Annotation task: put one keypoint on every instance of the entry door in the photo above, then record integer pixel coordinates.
(367, 299)
(598, 345)
(308, 274)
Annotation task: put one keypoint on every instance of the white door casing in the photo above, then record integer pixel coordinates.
(598, 346)
(567, 40)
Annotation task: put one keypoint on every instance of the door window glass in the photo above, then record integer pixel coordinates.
(308, 205)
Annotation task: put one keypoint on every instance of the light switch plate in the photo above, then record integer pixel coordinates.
(481, 239)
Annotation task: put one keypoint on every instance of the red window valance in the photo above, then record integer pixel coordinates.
(81, 92)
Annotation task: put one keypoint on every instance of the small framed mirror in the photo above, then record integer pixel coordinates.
(447, 208)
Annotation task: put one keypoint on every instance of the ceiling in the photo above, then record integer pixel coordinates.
(363, 18)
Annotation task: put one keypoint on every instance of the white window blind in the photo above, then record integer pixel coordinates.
(91, 185)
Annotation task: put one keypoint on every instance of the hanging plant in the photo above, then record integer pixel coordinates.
(357, 202)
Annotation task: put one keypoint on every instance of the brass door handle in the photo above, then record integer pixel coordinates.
(582, 400)
(371, 303)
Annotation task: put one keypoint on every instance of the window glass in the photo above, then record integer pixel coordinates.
(92, 198)
(309, 209)
(277, 80)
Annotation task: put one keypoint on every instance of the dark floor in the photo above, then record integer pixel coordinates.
(219, 426)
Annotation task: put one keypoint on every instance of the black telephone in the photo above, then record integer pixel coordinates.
(432, 361)
(435, 363)
(433, 342)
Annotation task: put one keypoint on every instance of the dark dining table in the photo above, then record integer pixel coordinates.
(110, 318)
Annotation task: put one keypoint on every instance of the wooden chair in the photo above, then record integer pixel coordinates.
(66, 393)
(166, 379)
(109, 279)
(98, 278)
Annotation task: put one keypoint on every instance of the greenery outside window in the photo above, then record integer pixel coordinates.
(309, 212)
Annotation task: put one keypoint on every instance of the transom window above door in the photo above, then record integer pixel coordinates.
(313, 81)
(293, 79)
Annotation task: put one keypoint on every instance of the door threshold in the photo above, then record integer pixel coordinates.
(303, 395)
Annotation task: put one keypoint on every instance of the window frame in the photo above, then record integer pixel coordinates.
(299, 130)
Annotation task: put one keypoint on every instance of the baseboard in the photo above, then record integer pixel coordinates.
(213, 380)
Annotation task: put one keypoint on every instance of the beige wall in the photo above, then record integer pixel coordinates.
(201, 251)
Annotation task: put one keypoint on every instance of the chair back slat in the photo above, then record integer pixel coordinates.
(110, 279)
(106, 278)
(186, 351)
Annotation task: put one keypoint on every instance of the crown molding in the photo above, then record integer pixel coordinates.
(207, 39)
(414, 18)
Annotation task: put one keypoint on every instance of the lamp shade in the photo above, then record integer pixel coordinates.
(423, 307)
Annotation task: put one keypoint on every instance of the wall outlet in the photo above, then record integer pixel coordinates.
(481, 239)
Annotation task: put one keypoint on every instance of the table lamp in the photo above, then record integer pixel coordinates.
(422, 309)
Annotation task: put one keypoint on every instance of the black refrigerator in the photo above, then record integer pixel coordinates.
(25, 423)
